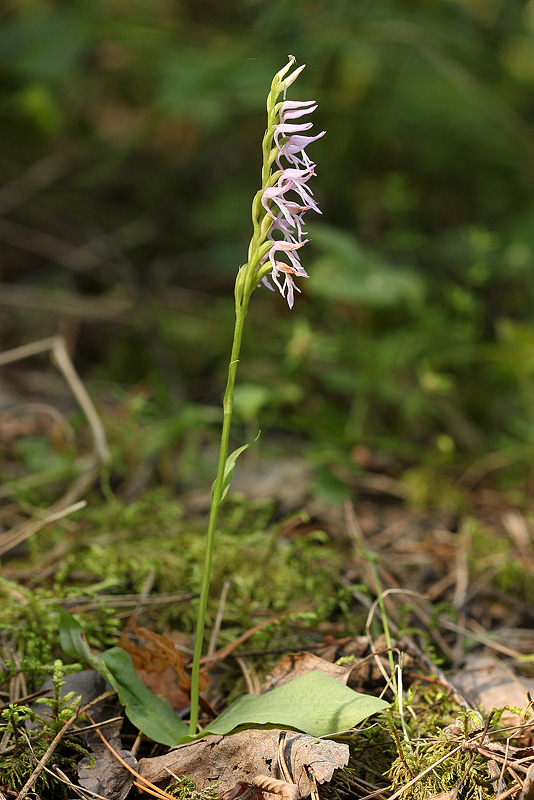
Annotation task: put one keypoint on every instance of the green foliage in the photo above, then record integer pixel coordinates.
(335, 708)
(229, 467)
(269, 572)
(30, 619)
(62, 706)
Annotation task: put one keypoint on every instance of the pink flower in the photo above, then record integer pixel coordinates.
(295, 180)
(296, 145)
(287, 129)
(281, 223)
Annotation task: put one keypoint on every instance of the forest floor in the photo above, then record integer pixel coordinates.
(429, 605)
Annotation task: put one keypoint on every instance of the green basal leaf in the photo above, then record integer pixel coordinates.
(72, 638)
(150, 713)
(314, 703)
(153, 715)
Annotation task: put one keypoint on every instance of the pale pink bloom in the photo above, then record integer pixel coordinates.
(295, 180)
(289, 181)
(276, 194)
(289, 284)
(295, 145)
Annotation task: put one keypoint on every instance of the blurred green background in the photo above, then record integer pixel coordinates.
(131, 140)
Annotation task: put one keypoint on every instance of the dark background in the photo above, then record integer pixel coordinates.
(131, 146)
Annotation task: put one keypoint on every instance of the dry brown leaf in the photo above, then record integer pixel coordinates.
(247, 754)
(287, 791)
(159, 664)
(487, 684)
(102, 774)
(361, 673)
(105, 775)
(296, 664)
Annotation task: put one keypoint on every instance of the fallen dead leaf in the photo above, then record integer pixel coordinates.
(296, 664)
(241, 757)
(361, 672)
(159, 664)
(487, 683)
(106, 776)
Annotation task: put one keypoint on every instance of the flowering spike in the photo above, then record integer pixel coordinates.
(279, 207)
(285, 195)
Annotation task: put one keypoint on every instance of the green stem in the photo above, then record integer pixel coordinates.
(228, 404)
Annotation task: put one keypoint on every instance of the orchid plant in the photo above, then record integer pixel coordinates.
(278, 209)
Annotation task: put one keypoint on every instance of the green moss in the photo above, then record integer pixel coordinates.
(17, 768)
(430, 487)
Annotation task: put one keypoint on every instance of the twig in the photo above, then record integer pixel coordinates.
(31, 240)
(57, 347)
(26, 350)
(39, 175)
(86, 603)
(251, 678)
(62, 360)
(481, 638)
(145, 784)
(57, 772)
(112, 305)
(24, 701)
(36, 525)
(145, 592)
(503, 767)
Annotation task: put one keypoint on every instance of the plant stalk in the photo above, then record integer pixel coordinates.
(228, 405)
